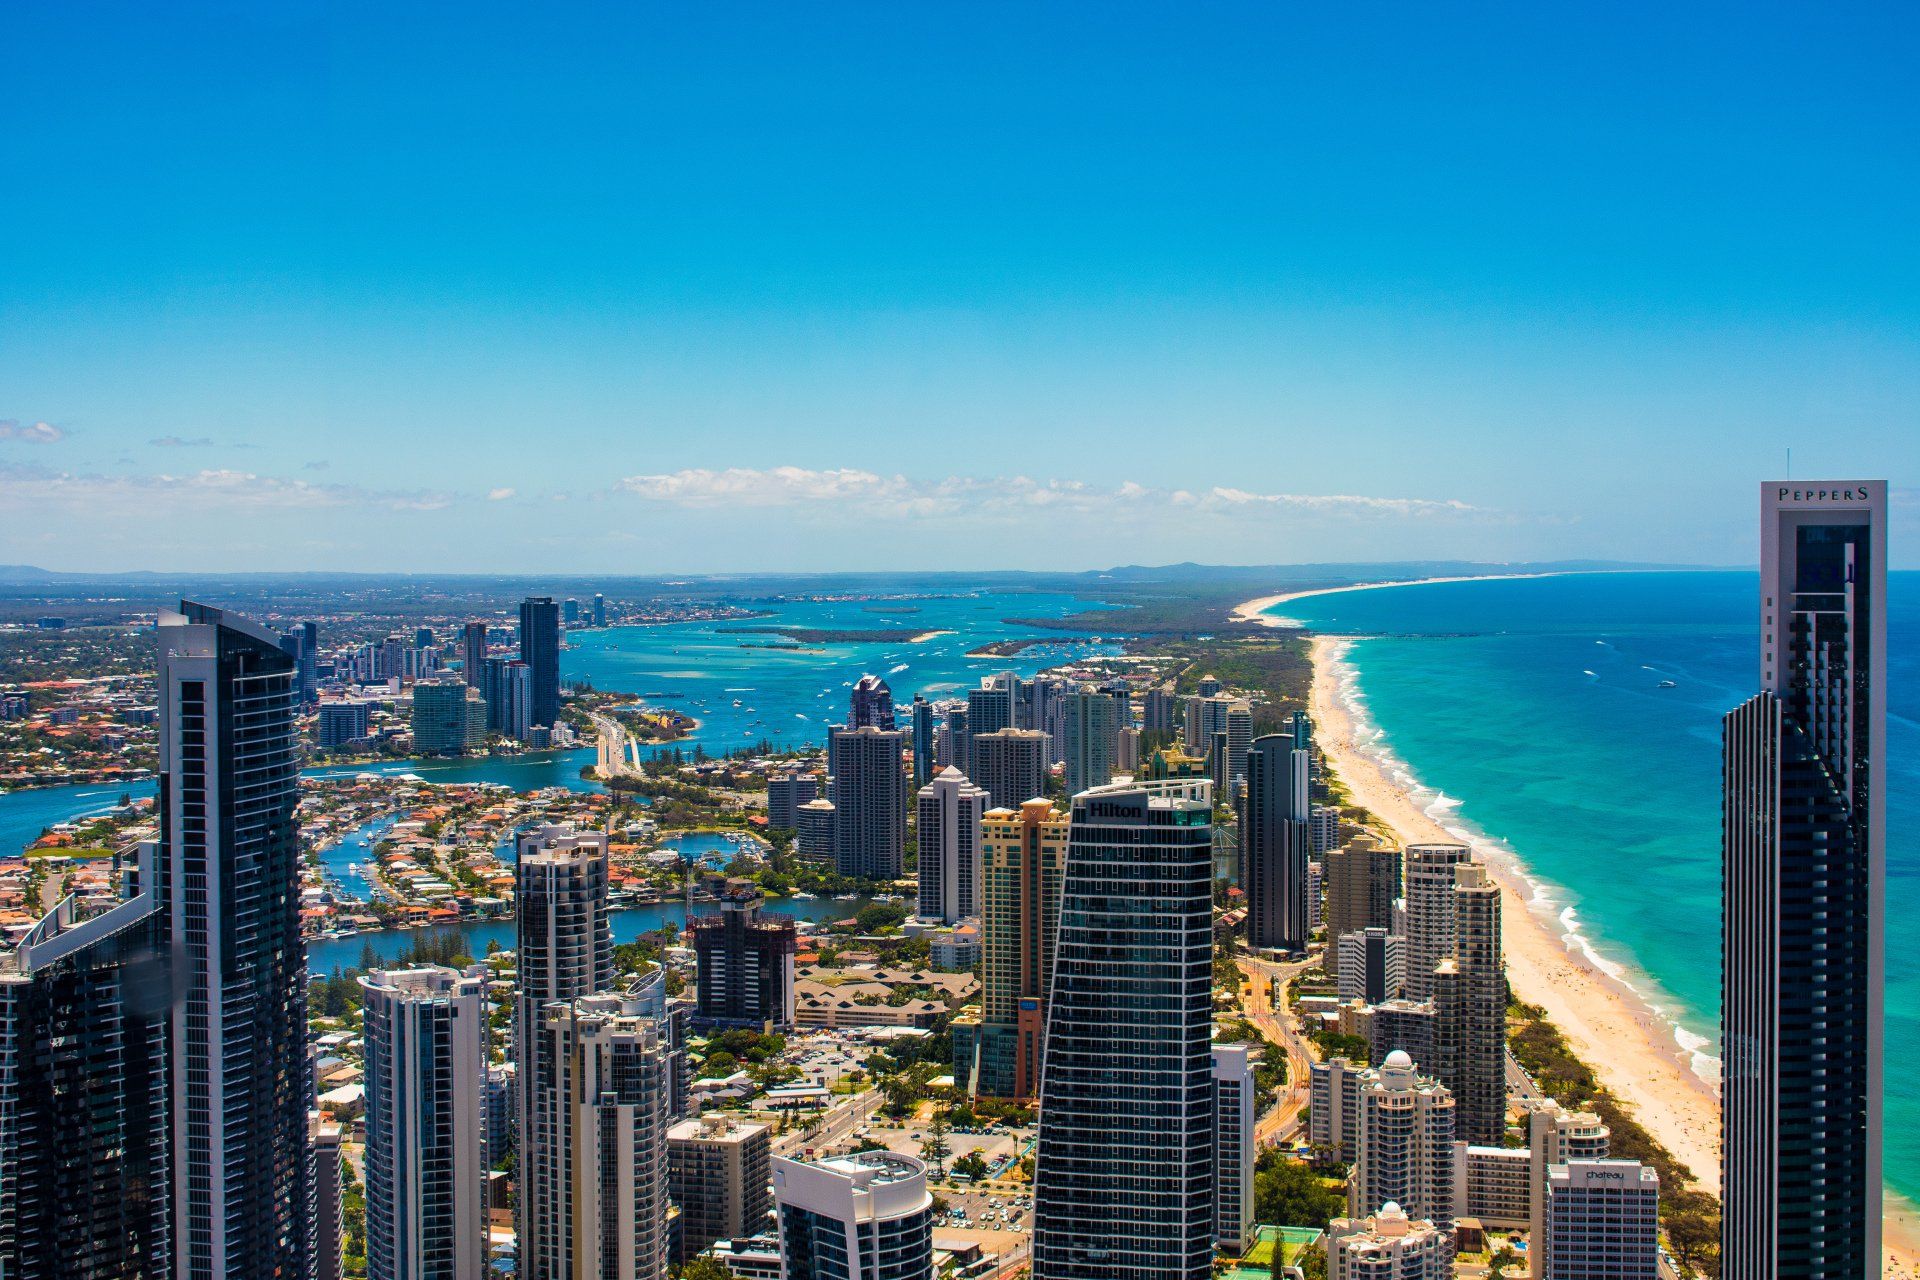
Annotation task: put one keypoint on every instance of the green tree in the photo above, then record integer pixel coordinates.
(1288, 1193)
(706, 1269)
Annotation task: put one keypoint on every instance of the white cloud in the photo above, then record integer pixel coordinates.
(212, 488)
(869, 493)
(499, 495)
(773, 487)
(30, 432)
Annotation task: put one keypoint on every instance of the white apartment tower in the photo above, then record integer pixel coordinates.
(948, 831)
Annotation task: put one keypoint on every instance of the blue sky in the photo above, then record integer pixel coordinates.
(683, 288)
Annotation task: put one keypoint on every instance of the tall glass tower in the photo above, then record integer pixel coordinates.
(1124, 1179)
(1804, 826)
(540, 650)
(226, 892)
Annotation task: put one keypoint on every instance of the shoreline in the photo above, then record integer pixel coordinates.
(1255, 610)
(1631, 1050)
(1607, 1024)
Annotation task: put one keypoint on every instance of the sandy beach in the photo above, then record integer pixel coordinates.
(1634, 1054)
(1256, 610)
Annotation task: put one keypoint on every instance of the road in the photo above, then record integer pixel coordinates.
(837, 1125)
(1283, 1122)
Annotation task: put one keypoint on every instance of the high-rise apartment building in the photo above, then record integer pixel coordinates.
(1602, 1221)
(871, 705)
(1024, 860)
(816, 832)
(866, 1216)
(744, 964)
(325, 1139)
(1373, 965)
(1274, 845)
(226, 885)
(1233, 1146)
(1403, 1144)
(1804, 905)
(1430, 911)
(870, 799)
(1362, 880)
(1387, 1246)
(1202, 717)
(449, 719)
(540, 650)
(84, 1188)
(599, 610)
(1088, 750)
(948, 832)
(1555, 1136)
(786, 792)
(473, 653)
(719, 1171)
(1157, 711)
(424, 1165)
(921, 725)
(1011, 764)
(1470, 1003)
(342, 723)
(1239, 739)
(1125, 1158)
(564, 952)
(989, 710)
(602, 1166)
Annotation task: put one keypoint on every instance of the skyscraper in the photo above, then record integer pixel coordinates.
(871, 704)
(786, 792)
(1373, 965)
(921, 725)
(744, 963)
(84, 1186)
(564, 952)
(1803, 941)
(870, 820)
(540, 650)
(989, 710)
(866, 1216)
(473, 654)
(948, 832)
(1233, 1145)
(1430, 911)
(599, 610)
(1470, 1002)
(1274, 845)
(1125, 1159)
(1089, 740)
(1024, 856)
(719, 1168)
(602, 1166)
(443, 722)
(1362, 881)
(816, 832)
(1239, 738)
(1603, 1221)
(1012, 765)
(1403, 1144)
(226, 887)
(1555, 1136)
(425, 1169)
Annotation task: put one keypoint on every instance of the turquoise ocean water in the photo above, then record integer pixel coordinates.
(1534, 713)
